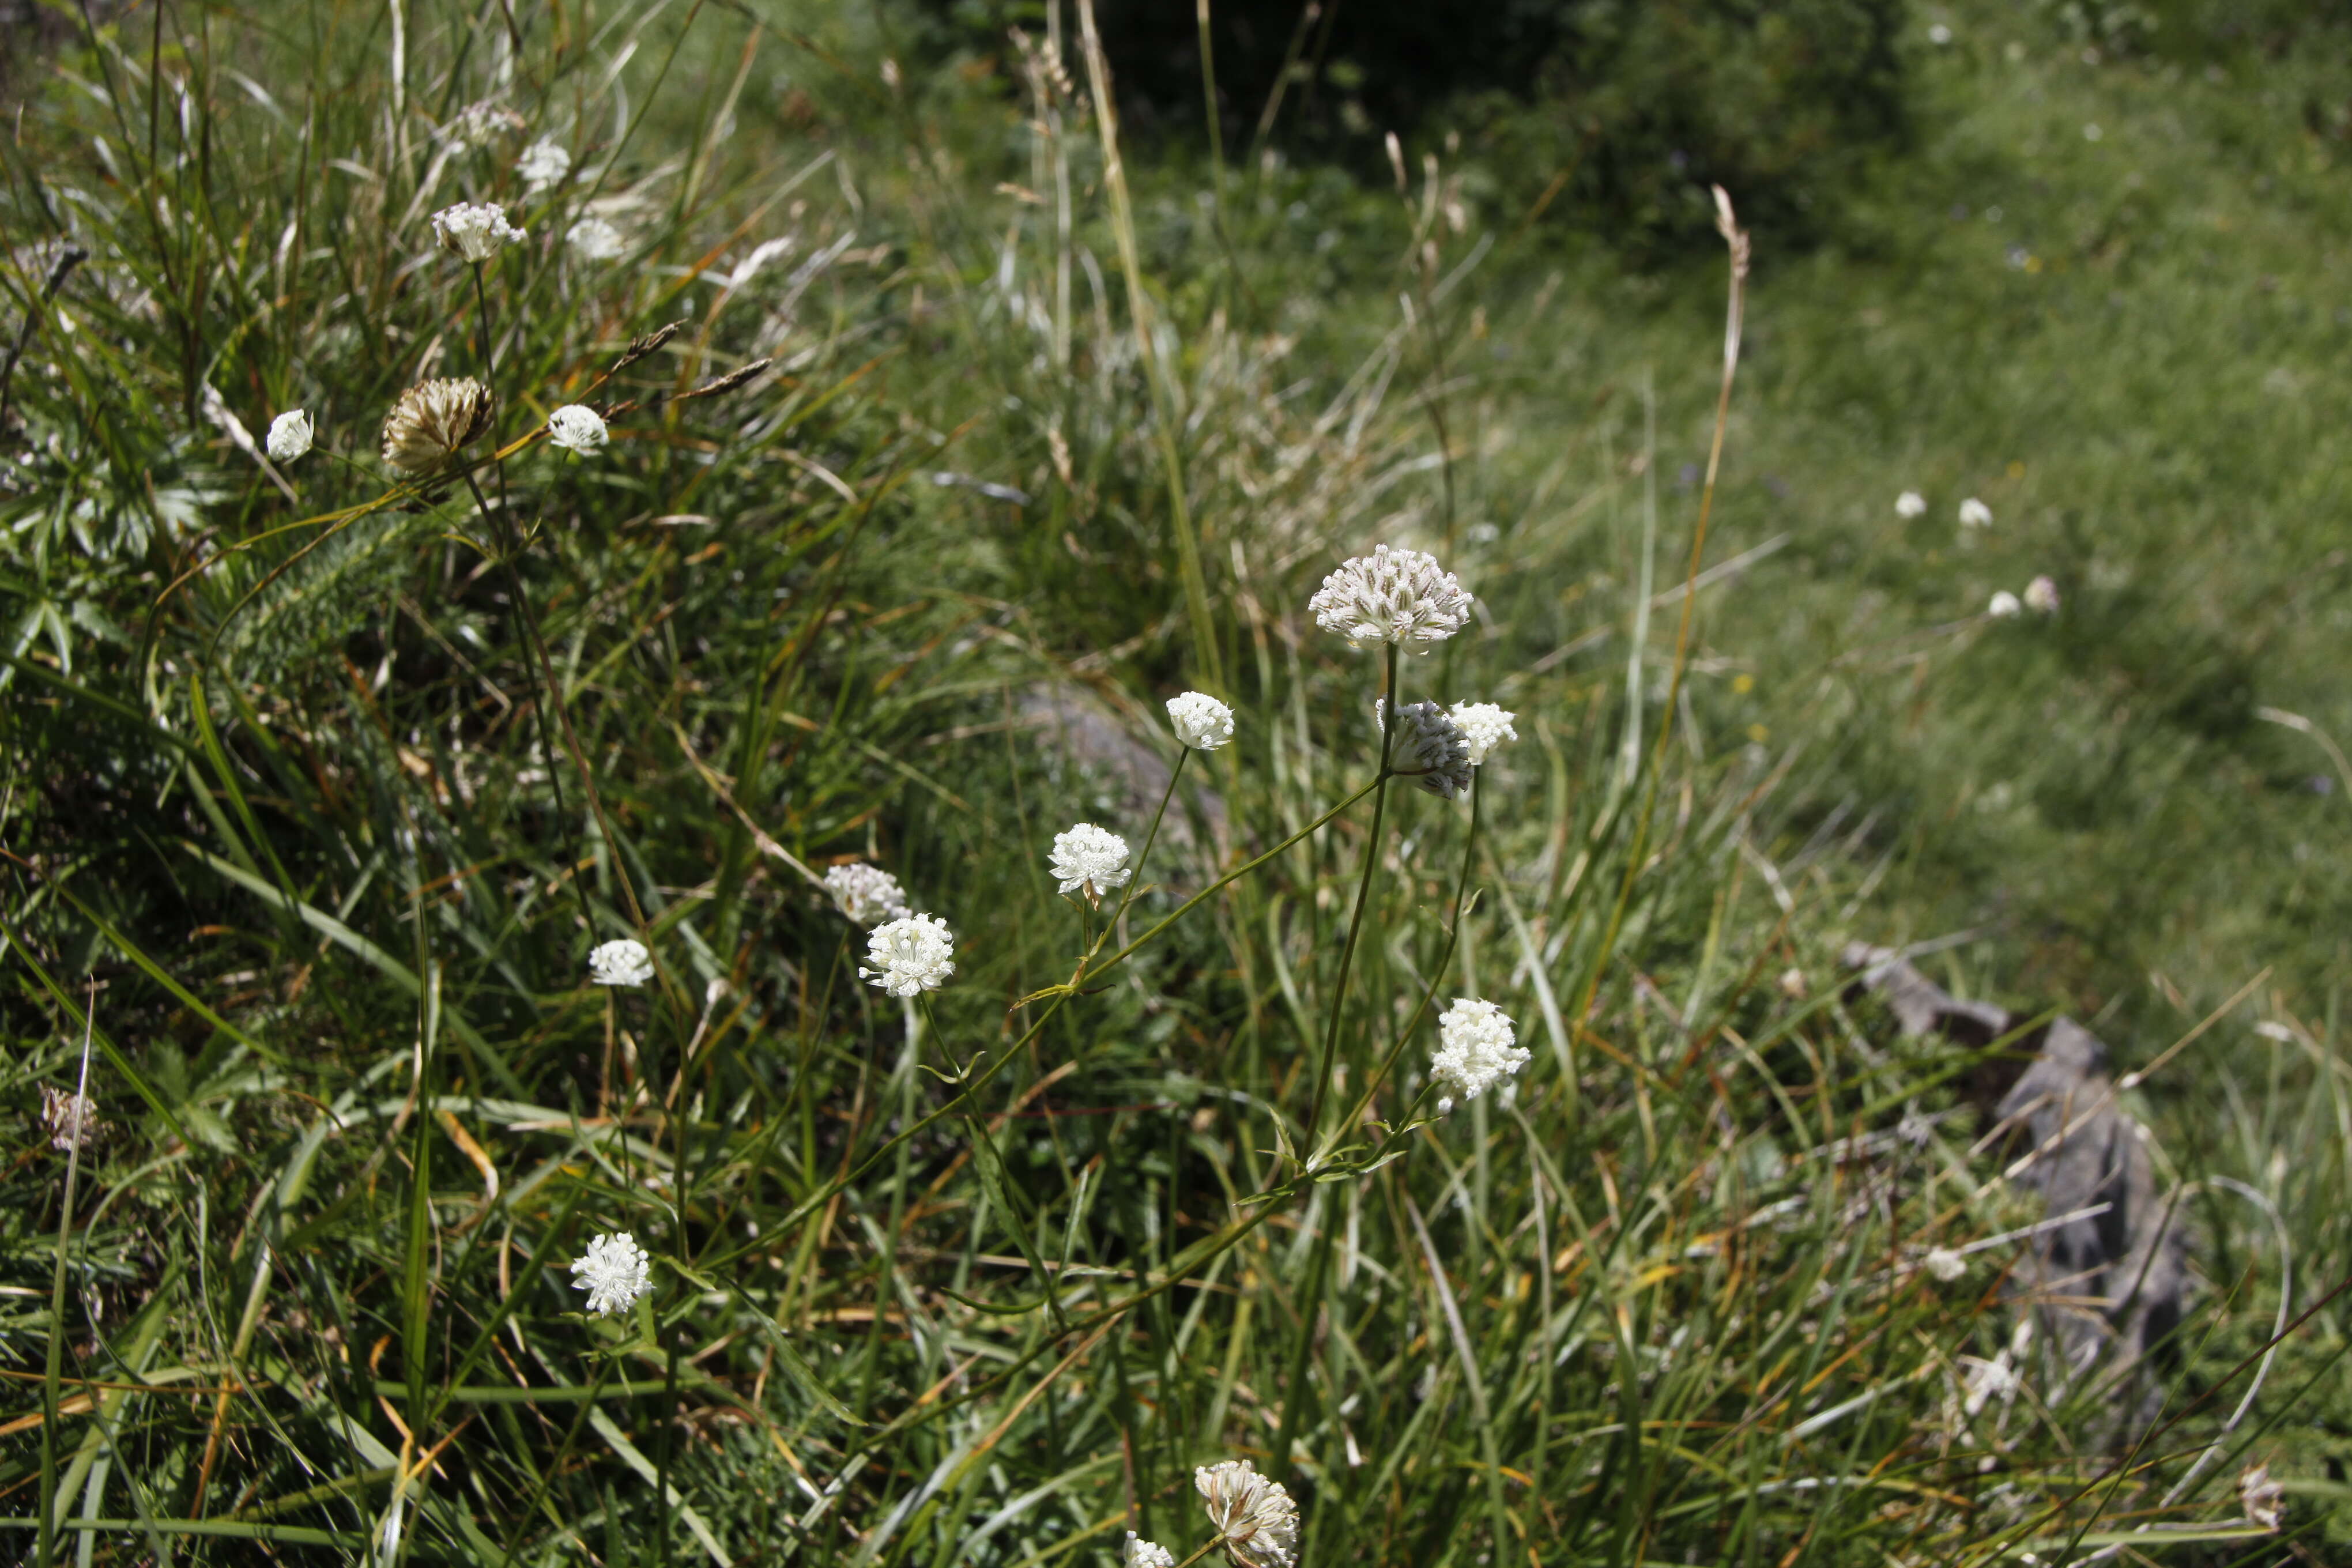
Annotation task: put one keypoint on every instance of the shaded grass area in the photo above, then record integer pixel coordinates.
(292, 814)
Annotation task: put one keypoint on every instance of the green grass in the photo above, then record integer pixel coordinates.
(298, 835)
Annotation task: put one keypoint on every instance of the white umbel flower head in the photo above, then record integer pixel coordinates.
(622, 962)
(543, 163)
(1257, 1525)
(1483, 727)
(578, 429)
(289, 436)
(910, 954)
(2004, 607)
(1910, 503)
(2042, 596)
(1478, 1049)
(473, 231)
(69, 1117)
(1141, 1553)
(434, 421)
(615, 1271)
(596, 239)
(1944, 1264)
(1429, 748)
(868, 894)
(1201, 722)
(1091, 860)
(1974, 513)
(1399, 597)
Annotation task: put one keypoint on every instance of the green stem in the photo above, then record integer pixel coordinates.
(53, 1369)
(1135, 882)
(1363, 897)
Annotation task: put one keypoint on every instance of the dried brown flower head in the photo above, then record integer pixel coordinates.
(434, 421)
(69, 1119)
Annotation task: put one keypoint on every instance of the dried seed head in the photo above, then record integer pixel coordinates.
(68, 1117)
(434, 421)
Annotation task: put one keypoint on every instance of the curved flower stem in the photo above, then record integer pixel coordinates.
(1356, 919)
(1135, 881)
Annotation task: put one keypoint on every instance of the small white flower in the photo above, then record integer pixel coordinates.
(1429, 748)
(2042, 596)
(1399, 596)
(2263, 1499)
(2004, 607)
(1938, 34)
(1477, 1049)
(578, 429)
(1944, 1264)
(1974, 513)
(624, 962)
(1910, 503)
(596, 239)
(1483, 727)
(1792, 982)
(1986, 1381)
(1203, 723)
(543, 163)
(289, 436)
(868, 894)
(615, 1271)
(478, 125)
(1089, 860)
(68, 1117)
(474, 230)
(1142, 1553)
(1255, 1520)
(911, 954)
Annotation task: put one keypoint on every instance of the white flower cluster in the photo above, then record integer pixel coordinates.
(543, 163)
(1141, 1553)
(1199, 721)
(596, 239)
(473, 231)
(1399, 597)
(1091, 860)
(1256, 1522)
(615, 1271)
(578, 429)
(1429, 748)
(1483, 727)
(1477, 1049)
(866, 894)
(909, 955)
(622, 962)
(2041, 597)
(2004, 607)
(1910, 503)
(1974, 513)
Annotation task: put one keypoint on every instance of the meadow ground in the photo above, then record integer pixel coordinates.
(325, 775)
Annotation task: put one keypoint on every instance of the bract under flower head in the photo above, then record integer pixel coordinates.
(1199, 721)
(911, 954)
(615, 1271)
(624, 962)
(1089, 861)
(543, 163)
(1257, 1525)
(434, 421)
(1399, 596)
(1910, 503)
(1477, 1049)
(578, 429)
(289, 436)
(1429, 748)
(1142, 1553)
(868, 894)
(1483, 727)
(473, 231)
